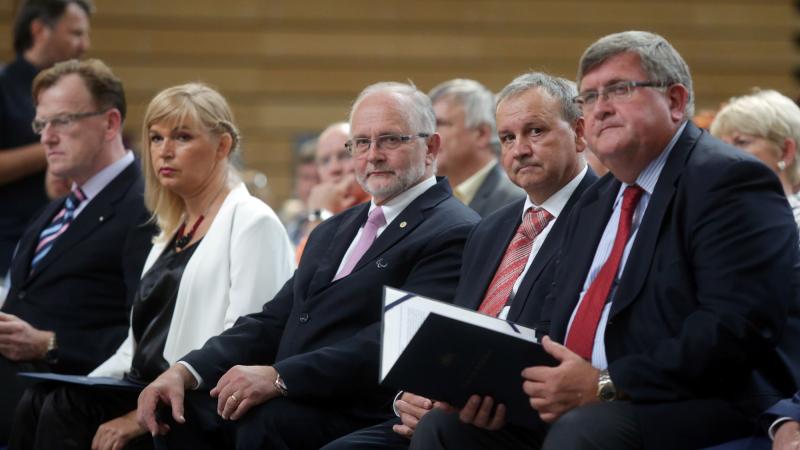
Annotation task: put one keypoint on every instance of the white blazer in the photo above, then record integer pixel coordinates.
(241, 263)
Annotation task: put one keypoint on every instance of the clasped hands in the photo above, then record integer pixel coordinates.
(552, 390)
(239, 390)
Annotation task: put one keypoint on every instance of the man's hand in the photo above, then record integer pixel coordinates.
(169, 388)
(479, 412)
(116, 433)
(556, 390)
(411, 408)
(243, 387)
(788, 436)
(19, 341)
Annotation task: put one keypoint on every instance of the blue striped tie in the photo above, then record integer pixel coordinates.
(57, 226)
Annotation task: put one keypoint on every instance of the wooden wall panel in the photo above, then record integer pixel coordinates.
(289, 68)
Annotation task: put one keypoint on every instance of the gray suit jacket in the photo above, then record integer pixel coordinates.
(495, 192)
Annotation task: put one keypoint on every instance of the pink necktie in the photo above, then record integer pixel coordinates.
(368, 235)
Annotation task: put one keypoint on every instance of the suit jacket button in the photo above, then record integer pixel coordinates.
(304, 318)
(21, 295)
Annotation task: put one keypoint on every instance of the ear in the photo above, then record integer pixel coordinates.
(39, 30)
(434, 142)
(789, 151)
(484, 135)
(678, 97)
(113, 123)
(580, 135)
(224, 147)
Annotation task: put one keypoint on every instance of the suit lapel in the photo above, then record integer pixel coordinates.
(341, 240)
(99, 211)
(640, 259)
(486, 188)
(21, 264)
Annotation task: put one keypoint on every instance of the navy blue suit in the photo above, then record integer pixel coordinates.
(322, 336)
(696, 332)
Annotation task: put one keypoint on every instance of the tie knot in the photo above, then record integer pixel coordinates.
(376, 217)
(75, 198)
(631, 196)
(534, 221)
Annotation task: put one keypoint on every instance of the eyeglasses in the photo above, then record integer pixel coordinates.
(615, 92)
(62, 120)
(360, 146)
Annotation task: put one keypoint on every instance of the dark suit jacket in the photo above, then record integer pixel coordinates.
(322, 336)
(486, 246)
(495, 192)
(703, 299)
(83, 289)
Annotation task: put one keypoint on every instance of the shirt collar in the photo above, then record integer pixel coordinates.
(395, 206)
(469, 187)
(101, 179)
(556, 202)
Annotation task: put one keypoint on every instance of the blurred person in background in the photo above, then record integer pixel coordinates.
(765, 124)
(468, 157)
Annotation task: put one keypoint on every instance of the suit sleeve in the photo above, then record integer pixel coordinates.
(738, 249)
(789, 407)
(345, 368)
(252, 340)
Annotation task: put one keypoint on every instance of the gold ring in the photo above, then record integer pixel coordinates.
(233, 397)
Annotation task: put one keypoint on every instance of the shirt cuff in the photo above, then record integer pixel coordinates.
(396, 398)
(198, 379)
(774, 427)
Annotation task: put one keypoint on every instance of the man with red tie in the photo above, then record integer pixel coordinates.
(510, 254)
(672, 288)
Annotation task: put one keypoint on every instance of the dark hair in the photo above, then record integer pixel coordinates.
(105, 87)
(48, 11)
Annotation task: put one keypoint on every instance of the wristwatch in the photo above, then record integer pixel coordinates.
(51, 356)
(606, 392)
(280, 385)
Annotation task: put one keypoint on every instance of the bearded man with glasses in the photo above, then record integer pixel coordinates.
(78, 264)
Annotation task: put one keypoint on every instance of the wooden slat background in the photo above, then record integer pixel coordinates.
(291, 67)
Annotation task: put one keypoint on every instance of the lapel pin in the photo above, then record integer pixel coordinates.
(102, 218)
(403, 224)
(381, 264)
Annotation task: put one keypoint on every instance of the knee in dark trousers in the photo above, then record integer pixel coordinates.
(598, 426)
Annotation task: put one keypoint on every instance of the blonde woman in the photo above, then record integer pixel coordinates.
(765, 124)
(221, 254)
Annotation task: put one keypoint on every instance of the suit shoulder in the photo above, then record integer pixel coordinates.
(452, 210)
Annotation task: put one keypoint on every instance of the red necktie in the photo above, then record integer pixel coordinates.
(584, 326)
(514, 260)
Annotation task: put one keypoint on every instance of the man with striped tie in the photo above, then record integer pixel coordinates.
(77, 265)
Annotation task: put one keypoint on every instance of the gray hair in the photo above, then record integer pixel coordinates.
(766, 114)
(475, 98)
(560, 88)
(417, 106)
(659, 59)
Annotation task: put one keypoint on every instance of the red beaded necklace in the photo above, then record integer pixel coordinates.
(184, 239)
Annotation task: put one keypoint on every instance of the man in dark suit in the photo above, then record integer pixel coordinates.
(468, 157)
(304, 370)
(672, 289)
(560, 177)
(78, 264)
